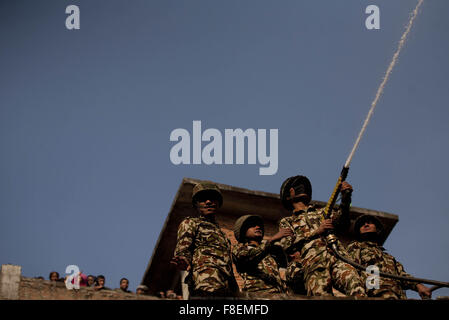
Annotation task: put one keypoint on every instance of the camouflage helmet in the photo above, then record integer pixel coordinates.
(301, 184)
(206, 187)
(243, 224)
(360, 221)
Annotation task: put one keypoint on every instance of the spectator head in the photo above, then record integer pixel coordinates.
(90, 280)
(54, 276)
(124, 283)
(101, 280)
(142, 289)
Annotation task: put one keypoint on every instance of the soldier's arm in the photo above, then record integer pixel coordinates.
(354, 253)
(301, 235)
(305, 234)
(186, 236)
(286, 242)
(243, 253)
(340, 217)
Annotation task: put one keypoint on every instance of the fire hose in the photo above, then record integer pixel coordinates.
(331, 238)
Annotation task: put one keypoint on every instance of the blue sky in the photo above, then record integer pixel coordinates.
(86, 116)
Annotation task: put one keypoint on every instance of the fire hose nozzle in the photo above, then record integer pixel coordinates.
(332, 240)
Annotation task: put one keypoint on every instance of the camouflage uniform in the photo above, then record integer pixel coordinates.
(295, 277)
(315, 262)
(370, 253)
(258, 268)
(208, 251)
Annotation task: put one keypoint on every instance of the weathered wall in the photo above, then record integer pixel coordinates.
(14, 286)
(35, 289)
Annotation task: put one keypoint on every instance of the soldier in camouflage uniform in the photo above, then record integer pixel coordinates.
(367, 251)
(258, 260)
(313, 266)
(203, 249)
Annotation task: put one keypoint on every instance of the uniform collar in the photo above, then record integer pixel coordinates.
(374, 244)
(311, 207)
(255, 243)
(210, 218)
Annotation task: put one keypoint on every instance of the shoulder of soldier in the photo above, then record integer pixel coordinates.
(238, 246)
(354, 245)
(387, 254)
(190, 222)
(240, 250)
(287, 220)
(191, 219)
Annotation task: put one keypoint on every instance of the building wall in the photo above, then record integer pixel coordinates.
(35, 289)
(14, 286)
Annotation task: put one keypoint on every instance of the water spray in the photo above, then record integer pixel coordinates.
(331, 238)
(380, 90)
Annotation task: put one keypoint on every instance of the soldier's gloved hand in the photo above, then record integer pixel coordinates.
(181, 263)
(281, 234)
(424, 292)
(325, 225)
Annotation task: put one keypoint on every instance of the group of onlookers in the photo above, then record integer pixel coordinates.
(98, 283)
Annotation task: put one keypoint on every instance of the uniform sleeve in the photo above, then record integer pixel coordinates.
(406, 285)
(286, 242)
(301, 235)
(247, 254)
(354, 253)
(186, 236)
